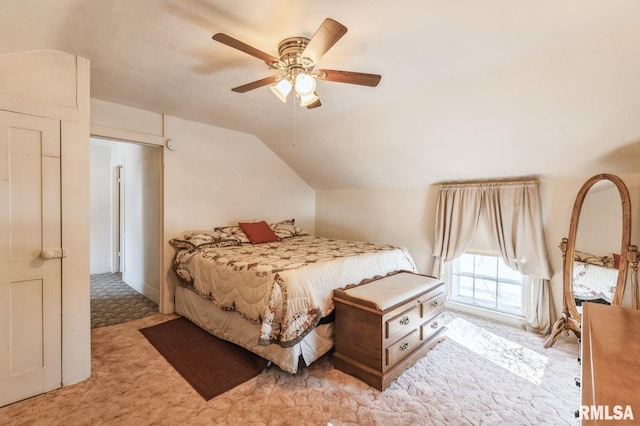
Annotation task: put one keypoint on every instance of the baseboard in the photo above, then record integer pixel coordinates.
(144, 288)
(486, 313)
(151, 293)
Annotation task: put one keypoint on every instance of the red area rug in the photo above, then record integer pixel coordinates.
(210, 365)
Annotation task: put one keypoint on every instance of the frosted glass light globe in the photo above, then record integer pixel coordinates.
(305, 84)
(282, 89)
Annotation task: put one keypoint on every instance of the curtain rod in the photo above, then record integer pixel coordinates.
(489, 183)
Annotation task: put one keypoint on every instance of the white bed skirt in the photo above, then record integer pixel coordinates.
(230, 326)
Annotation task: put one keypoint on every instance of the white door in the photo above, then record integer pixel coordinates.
(30, 256)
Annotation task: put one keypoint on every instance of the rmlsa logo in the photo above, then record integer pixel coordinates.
(606, 412)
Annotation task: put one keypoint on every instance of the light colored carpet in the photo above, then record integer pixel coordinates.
(506, 377)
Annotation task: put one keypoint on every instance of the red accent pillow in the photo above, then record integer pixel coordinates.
(259, 232)
(616, 261)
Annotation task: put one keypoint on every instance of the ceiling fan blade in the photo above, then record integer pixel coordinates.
(350, 77)
(255, 84)
(327, 35)
(243, 47)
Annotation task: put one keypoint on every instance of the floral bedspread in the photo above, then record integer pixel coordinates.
(285, 286)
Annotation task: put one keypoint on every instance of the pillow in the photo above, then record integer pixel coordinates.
(181, 244)
(202, 239)
(232, 233)
(227, 243)
(300, 231)
(193, 240)
(616, 260)
(259, 232)
(284, 229)
(593, 259)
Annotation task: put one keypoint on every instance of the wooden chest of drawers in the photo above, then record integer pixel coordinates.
(384, 326)
(610, 365)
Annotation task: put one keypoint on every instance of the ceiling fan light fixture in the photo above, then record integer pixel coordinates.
(308, 99)
(282, 89)
(296, 64)
(305, 84)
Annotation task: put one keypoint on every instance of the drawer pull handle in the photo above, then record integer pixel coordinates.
(434, 304)
(404, 320)
(404, 346)
(434, 324)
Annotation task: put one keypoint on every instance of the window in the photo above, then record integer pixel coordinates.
(487, 282)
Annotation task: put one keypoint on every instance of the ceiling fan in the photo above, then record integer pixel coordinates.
(298, 58)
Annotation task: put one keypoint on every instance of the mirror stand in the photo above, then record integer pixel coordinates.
(596, 260)
(566, 322)
(634, 256)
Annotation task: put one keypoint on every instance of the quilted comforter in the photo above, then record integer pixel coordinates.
(592, 281)
(285, 286)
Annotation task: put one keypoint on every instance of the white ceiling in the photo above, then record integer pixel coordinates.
(470, 89)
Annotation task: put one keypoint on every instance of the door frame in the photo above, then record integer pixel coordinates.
(117, 222)
(127, 136)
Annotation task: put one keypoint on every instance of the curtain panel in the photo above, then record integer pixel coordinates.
(513, 215)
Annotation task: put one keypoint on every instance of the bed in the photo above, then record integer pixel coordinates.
(273, 297)
(594, 277)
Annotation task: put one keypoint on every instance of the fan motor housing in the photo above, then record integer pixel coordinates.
(290, 51)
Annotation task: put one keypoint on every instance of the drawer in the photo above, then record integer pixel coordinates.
(431, 327)
(403, 322)
(432, 305)
(403, 347)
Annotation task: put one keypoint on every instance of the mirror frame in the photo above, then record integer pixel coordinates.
(570, 305)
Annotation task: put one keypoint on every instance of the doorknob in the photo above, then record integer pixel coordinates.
(53, 254)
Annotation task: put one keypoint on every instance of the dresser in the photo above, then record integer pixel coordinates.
(610, 382)
(382, 327)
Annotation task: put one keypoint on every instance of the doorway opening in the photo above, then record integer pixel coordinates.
(126, 247)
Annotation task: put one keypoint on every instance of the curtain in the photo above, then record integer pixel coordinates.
(513, 214)
(514, 217)
(457, 215)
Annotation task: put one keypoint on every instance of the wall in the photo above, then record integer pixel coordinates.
(406, 216)
(100, 208)
(213, 177)
(142, 222)
(401, 216)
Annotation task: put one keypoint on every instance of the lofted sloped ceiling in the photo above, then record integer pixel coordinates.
(470, 89)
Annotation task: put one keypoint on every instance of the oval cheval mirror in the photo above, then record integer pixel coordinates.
(595, 253)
